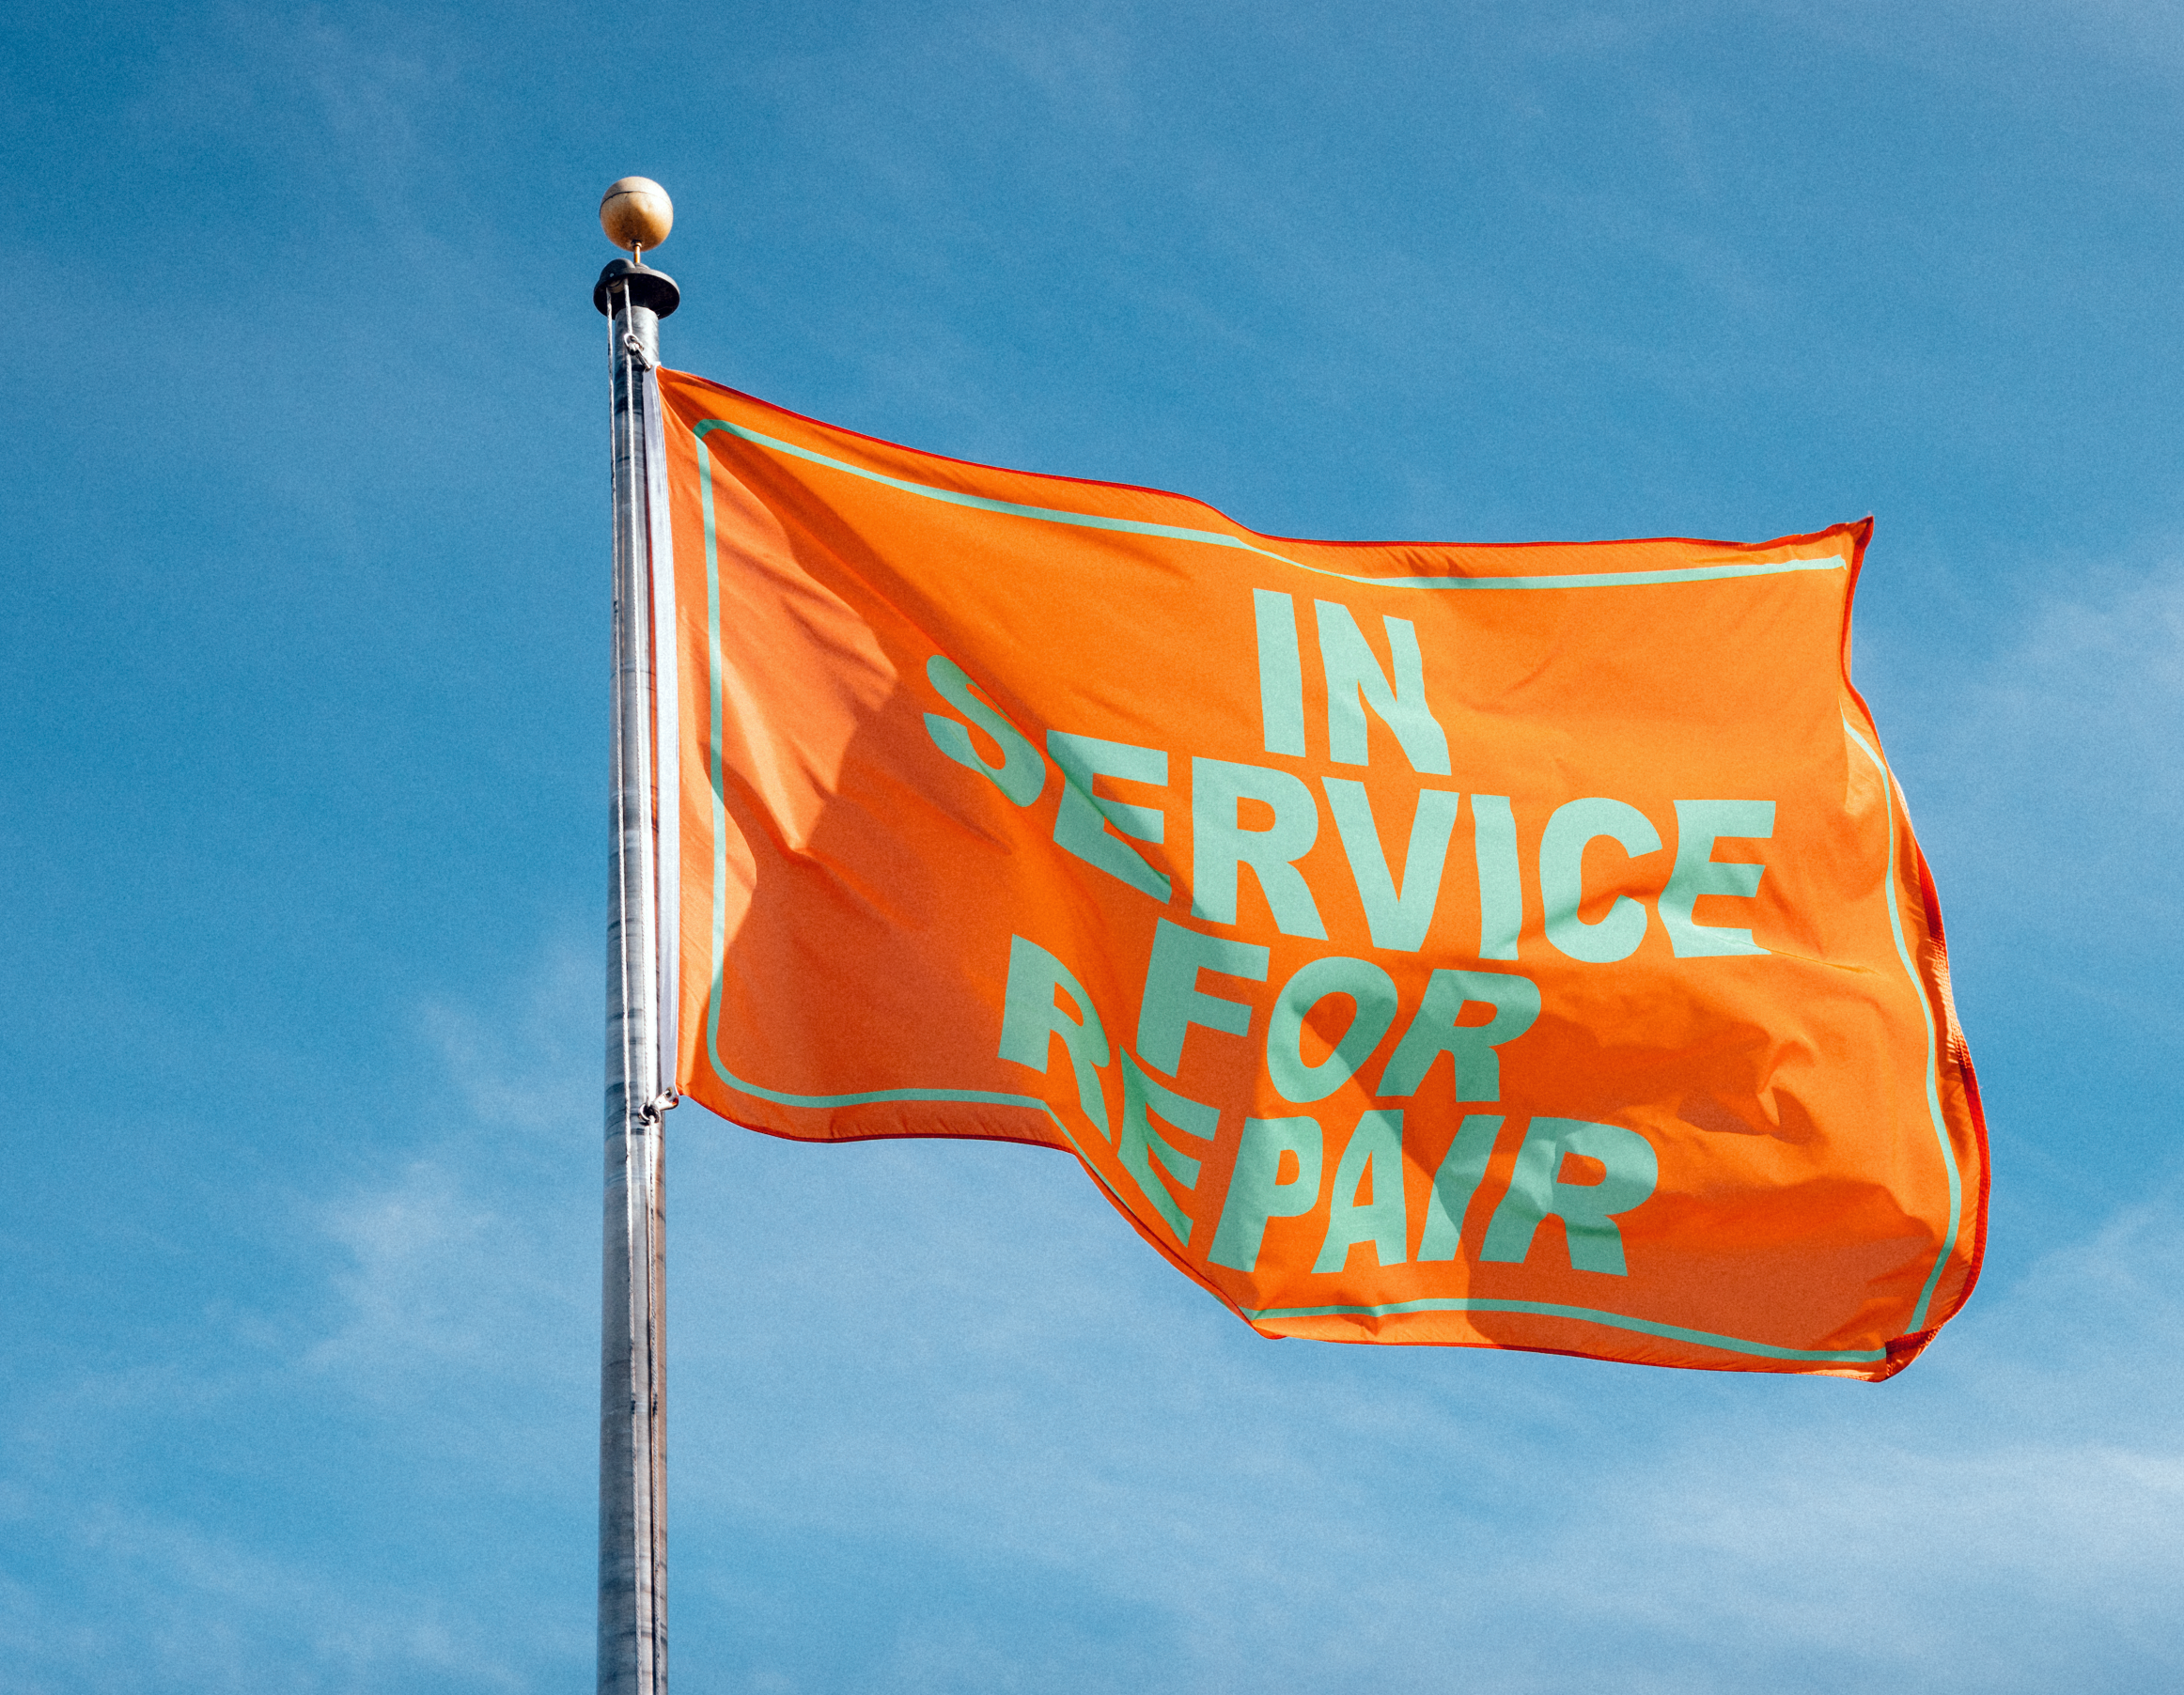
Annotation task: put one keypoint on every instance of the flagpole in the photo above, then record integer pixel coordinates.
(632, 1474)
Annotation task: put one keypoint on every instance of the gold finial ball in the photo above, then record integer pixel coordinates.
(636, 213)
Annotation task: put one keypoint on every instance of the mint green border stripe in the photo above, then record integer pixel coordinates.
(1673, 1332)
(1918, 1319)
(720, 820)
(1088, 520)
(992, 1097)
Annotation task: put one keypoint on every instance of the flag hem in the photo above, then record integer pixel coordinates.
(1906, 1346)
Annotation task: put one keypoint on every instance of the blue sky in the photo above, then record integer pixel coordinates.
(303, 830)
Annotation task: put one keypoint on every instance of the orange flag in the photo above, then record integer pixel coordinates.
(1509, 946)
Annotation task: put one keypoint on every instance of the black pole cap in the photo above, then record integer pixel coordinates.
(654, 290)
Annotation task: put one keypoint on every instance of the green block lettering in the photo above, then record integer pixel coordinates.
(1173, 1002)
(1281, 673)
(1081, 820)
(1141, 1144)
(1356, 681)
(1399, 922)
(1698, 825)
(1588, 1211)
(1501, 883)
(1031, 1018)
(1021, 772)
(1373, 1160)
(1218, 846)
(1365, 983)
(1454, 1184)
(1574, 827)
(1477, 1068)
(1255, 1192)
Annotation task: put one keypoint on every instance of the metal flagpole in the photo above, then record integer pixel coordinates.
(632, 1454)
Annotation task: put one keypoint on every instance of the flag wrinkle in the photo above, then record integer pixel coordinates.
(1036, 796)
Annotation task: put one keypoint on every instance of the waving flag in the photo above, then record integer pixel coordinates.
(1509, 946)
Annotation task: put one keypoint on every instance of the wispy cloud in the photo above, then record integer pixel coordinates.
(444, 1393)
(956, 1360)
(1031, 1394)
(153, 1604)
(2003, 1515)
(2044, 773)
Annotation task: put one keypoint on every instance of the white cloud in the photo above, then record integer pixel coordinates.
(954, 1352)
(160, 1605)
(466, 1276)
(956, 1363)
(228, 1518)
(2053, 757)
